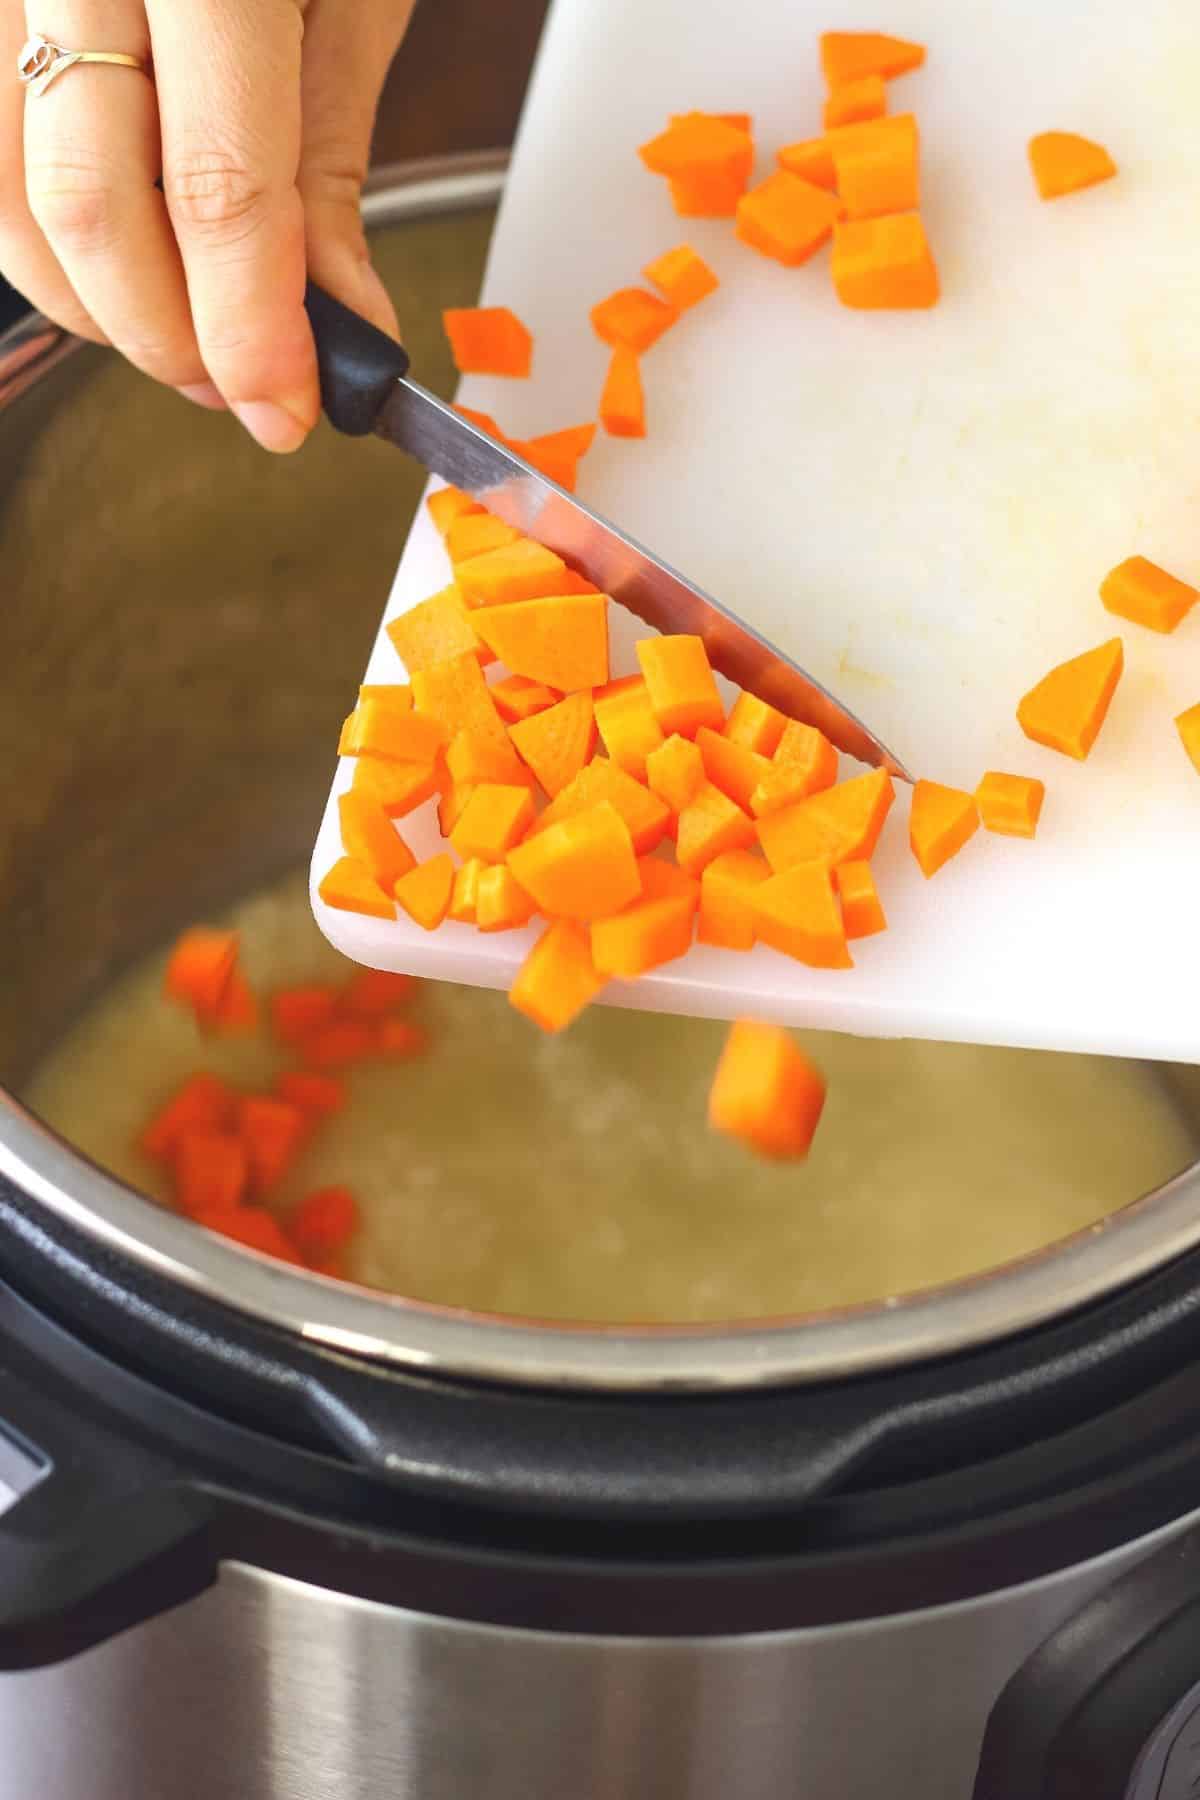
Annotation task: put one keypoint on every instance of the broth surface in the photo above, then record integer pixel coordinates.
(575, 1177)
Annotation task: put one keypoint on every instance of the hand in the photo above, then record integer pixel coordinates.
(258, 121)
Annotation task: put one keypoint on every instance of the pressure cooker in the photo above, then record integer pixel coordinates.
(269, 1535)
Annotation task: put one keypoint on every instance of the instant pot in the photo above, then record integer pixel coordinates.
(269, 1536)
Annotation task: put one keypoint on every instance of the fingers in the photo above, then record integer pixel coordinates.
(346, 57)
(25, 257)
(228, 81)
(91, 161)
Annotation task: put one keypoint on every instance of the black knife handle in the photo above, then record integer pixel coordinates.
(357, 362)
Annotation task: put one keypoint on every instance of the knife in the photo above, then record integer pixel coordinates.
(365, 387)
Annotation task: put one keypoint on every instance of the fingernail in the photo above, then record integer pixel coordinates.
(273, 426)
(204, 393)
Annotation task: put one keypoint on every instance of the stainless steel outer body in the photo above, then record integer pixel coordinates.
(268, 1689)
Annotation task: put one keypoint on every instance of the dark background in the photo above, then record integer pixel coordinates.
(478, 51)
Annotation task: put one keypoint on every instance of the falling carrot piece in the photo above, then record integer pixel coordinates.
(425, 892)
(296, 1011)
(862, 910)
(338, 1044)
(350, 887)
(786, 218)
(877, 166)
(520, 570)
(850, 55)
(369, 836)
(477, 534)
(645, 815)
(727, 899)
(317, 1096)
(654, 930)
(755, 724)
(493, 820)
(398, 787)
(1188, 726)
(464, 896)
(1139, 590)
(473, 758)
(374, 993)
(1069, 705)
(488, 340)
(376, 729)
(583, 868)
(810, 160)
(501, 902)
(799, 914)
(710, 823)
(199, 967)
(433, 630)
(733, 768)
(854, 101)
(516, 698)
(766, 1092)
(558, 978)
(884, 264)
(1062, 163)
(942, 820)
(632, 318)
(627, 723)
(622, 401)
(203, 1103)
(324, 1221)
(556, 742)
(455, 693)
(840, 824)
(272, 1132)
(675, 771)
(563, 641)
(210, 1170)
(448, 504)
(682, 276)
(681, 684)
(1010, 804)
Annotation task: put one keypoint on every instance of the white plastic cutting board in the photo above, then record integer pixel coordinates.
(919, 508)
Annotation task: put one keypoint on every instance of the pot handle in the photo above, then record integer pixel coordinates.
(100, 1535)
(358, 364)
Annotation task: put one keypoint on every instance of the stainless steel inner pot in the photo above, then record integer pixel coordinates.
(181, 622)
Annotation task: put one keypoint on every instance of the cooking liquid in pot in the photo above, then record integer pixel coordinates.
(575, 1177)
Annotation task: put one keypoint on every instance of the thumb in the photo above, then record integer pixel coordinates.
(347, 52)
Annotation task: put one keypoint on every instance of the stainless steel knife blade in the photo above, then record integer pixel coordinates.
(424, 426)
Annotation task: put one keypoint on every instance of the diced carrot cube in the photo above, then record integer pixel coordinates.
(199, 967)
(255, 1228)
(622, 401)
(862, 910)
(493, 820)
(272, 1132)
(1139, 590)
(1063, 162)
(727, 899)
(317, 1096)
(681, 685)
(682, 276)
(675, 771)
(376, 729)
(472, 759)
(563, 642)
(501, 902)
(210, 1170)
(425, 891)
(325, 1220)
(799, 914)
(627, 723)
(766, 1092)
(786, 218)
(810, 160)
(653, 930)
(583, 868)
(710, 823)
(645, 815)
(632, 318)
(448, 504)
(523, 570)
(488, 340)
(339, 1043)
(697, 141)
(557, 742)
(558, 978)
(398, 787)
(350, 887)
(433, 630)
(296, 1011)
(840, 824)
(733, 768)
(456, 695)
(478, 534)
(1069, 705)
(1010, 804)
(849, 55)
(876, 166)
(203, 1102)
(369, 836)
(884, 263)
(755, 724)
(853, 101)
(942, 820)
(516, 697)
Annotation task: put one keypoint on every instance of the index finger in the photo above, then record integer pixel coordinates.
(228, 75)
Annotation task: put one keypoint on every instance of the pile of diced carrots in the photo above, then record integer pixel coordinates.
(226, 1153)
